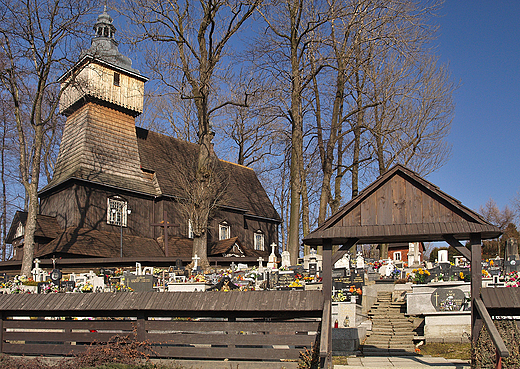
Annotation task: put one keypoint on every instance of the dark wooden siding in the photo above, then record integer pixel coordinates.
(399, 201)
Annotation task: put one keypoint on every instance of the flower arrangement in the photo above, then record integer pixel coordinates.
(50, 288)
(355, 291)
(420, 275)
(339, 297)
(296, 283)
(485, 274)
(512, 279)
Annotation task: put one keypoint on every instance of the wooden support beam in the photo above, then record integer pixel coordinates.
(343, 249)
(492, 329)
(453, 242)
(326, 329)
(476, 283)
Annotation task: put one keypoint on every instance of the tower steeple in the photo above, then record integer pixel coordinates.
(104, 45)
(103, 74)
(102, 95)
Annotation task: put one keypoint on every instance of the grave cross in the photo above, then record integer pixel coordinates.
(195, 261)
(165, 225)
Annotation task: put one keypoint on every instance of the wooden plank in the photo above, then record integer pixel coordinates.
(383, 204)
(48, 349)
(220, 353)
(44, 337)
(69, 324)
(233, 339)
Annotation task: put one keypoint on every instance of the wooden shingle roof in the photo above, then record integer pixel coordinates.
(401, 206)
(83, 242)
(46, 226)
(224, 246)
(172, 161)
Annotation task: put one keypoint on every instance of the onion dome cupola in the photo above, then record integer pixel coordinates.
(103, 74)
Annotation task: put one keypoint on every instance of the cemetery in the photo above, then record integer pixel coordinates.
(432, 298)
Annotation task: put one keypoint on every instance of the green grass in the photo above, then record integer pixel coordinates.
(447, 350)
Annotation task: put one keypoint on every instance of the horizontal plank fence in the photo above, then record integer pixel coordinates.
(250, 325)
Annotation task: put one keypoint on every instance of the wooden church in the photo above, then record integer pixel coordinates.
(115, 185)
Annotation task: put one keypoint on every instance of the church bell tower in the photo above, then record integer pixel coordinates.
(101, 96)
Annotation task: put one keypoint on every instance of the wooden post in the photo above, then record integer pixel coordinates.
(476, 284)
(141, 327)
(326, 329)
(1, 332)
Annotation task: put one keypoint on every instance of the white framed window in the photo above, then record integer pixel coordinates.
(20, 230)
(117, 211)
(190, 229)
(224, 231)
(397, 255)
(259, 240)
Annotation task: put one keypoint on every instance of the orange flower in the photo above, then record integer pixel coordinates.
(351, 289)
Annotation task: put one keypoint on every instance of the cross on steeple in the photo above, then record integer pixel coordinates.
(165, 225)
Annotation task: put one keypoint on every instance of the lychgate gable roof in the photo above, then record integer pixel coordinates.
(401, 206)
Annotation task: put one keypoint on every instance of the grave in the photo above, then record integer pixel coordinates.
(422, 299)
(139, 283)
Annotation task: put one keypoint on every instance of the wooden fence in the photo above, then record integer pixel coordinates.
(253, 325)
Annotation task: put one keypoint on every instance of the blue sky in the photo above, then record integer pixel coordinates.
(481, 42)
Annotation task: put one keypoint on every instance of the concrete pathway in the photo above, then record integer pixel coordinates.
(405, 362)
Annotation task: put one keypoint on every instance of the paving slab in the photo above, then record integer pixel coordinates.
(404, 362)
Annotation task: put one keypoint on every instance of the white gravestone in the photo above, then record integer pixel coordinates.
(37, 273)
(344, 262)
(390, 268)
(360, 262)
(138, 269)
(286, 259)
(260, 265)
(442, 256)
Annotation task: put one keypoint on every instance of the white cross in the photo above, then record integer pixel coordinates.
(260, 259)
(195, 261)
(36, 263)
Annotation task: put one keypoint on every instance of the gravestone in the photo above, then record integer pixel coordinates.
(448, 299)
(56, 277)
(512, 265)
(339, 273)
(42, 286)
(68, 286)
(442, 256)
(511, 252)
(357, 279)
(285, 279)
(286, 259)
(139, 283)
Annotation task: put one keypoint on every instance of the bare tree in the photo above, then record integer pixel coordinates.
(193, 39)
(292, 27)
(500, 218)
(33, 36)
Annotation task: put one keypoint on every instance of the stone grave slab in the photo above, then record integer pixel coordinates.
(139, 283)
(447, 299)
